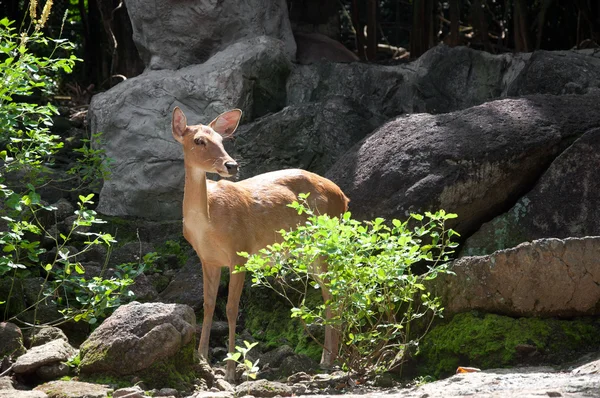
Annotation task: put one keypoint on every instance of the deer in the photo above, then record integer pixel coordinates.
(223, 218)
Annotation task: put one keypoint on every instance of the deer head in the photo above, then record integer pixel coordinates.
(203, 145)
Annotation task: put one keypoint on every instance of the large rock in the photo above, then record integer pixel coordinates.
(446, 79)
(547, 277)
(456, 78)
(173, 34)
(474, 162)
(382, 90)
(53, 352)
(309, 136)
(139, 337)
(565, 202)
(135, 118)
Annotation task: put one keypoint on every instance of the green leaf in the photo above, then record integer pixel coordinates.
(79, 268)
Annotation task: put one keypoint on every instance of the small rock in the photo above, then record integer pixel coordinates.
(52, 371)
(6, 383)
(588, 369)
(22, 394)
(167, 392)
(298, 377)
(52, 352)
(212, 394)
(385, 380)
(298, 389)
(11, 340)
(297, 363)
(223, 385)
(264, 389)
(64, 209)
(41, 336)
(73, 389)
(554, 394)
(143, 289)
(129, 392)
(275, 357)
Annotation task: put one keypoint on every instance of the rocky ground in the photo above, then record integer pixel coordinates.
(575, 381)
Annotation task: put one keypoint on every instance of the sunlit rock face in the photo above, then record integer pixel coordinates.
(174, 34)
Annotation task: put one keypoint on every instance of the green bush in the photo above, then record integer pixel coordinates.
(27, 79)
(376, 294)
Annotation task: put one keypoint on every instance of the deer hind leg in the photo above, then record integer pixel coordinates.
(211, 276)
(236, 284)
(332, 338)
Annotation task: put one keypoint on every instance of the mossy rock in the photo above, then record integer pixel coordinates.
(495, 341)
(175, 372)
(268, 319)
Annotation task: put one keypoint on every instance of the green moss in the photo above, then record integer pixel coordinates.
(268, 319)
(175, 372)
(493, 341)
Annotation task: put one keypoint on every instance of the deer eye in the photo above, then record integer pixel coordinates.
(200, 141)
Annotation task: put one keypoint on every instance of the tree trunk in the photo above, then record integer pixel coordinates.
(480, 25)
(521, 27)
(421, 35)
(454, 23)
(371, 29)
(358, 30)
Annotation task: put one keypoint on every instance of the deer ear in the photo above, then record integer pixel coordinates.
(178, 124)
(226, 123)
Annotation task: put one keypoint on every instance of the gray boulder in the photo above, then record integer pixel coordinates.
(138, 337)
(308, 136)
(563, 203)
(174, 34)
(382, 90)
(53, 352)
(446, 79)
(544, 278)
(474, 162)
(135, 117)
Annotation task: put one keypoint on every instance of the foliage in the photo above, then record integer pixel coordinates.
(375, 294)
(25, 124)
(250, 369)
(92, 165)
(64, 284)
(26, 150)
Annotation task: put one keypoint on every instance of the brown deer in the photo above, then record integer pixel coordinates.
(223, 218)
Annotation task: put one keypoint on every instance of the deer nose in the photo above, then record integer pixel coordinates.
(232, 168)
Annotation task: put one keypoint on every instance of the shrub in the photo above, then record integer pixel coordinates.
(26, 150)
(376, 293)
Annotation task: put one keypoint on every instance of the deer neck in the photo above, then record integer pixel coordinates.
(195, 194)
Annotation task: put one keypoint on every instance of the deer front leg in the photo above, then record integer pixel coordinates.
(211, 277)
(331, 343)
(236, 284)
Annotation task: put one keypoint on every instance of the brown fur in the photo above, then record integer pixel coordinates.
(224, 218)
